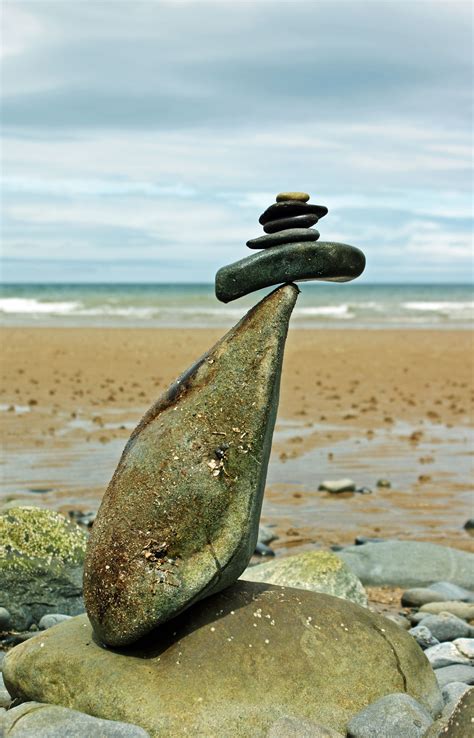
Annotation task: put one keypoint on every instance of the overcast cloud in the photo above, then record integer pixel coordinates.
(143, 139)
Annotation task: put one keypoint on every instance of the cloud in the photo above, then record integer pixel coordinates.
(150, 127)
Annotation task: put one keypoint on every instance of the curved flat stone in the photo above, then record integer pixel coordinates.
(179, 520)
(289, 208)
(231, 666)
(291, 235)
(297, 221)
(293, 262)
(301, 196)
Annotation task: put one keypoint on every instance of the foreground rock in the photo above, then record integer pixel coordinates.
(459, 723)
(319, 571)
(179, 520)
(34, 720)
(409, 564)
(41, 556)
(231, 666)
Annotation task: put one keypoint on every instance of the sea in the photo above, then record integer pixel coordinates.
(195, 305)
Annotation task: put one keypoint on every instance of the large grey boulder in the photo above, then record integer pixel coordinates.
(35, 720)
(319, 571)
(230, 666)
(41, 557)
(179, 520)
(409, 564)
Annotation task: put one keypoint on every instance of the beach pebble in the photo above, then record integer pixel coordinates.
(455, 673)
(423, 636)
(286, 209)
(38, 720)
(362, 540)
(417, 617)
(409, 564)
(261, 549)
(266, 534)
(290, 727)
(452, 693)
(301, 196)
(392, 716)
(400, 620)
(298, 221)
(383, 483)
(337, 485)
(5, 697)
(466, 646)
(419, 596)
(464, 610)
(291, 235)
(290, 262)
(452, 591)
(469, 525)
(447, 627)
(456, 720)
(47, 621)
(2, 658)
(445, 654)
(5, 618)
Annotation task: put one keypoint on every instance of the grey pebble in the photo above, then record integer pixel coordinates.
(399, 620)
(37, 720)
(423, 636)
(447, 627)
(466, 646)
(457, 673)
(417, 617)
(453, 591)
(392, 716)
(445, 654)
(464, 610)
(452, 693)
(5, 618)
(419, 596)
(53, 618)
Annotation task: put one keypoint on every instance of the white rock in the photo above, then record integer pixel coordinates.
(466, 646)
(445, 654)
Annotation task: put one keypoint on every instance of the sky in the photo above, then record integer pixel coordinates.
(141, 140)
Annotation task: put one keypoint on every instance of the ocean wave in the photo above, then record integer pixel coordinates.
(29, 305)
(327, 311)
(442, 307)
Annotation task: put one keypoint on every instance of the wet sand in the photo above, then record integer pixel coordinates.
(363, 404)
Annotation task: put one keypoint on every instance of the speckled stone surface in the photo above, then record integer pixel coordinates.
(290, 235)
(230, 666)
(179, 520)
(332, 262)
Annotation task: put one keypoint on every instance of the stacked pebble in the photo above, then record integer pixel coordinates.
(288, 220)
(288, 252)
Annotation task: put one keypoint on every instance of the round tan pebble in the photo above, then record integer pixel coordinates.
(301, 196)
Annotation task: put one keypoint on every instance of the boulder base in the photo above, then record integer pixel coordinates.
(230, 666)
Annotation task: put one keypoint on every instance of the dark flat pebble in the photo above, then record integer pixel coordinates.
(298, 221)
(290, 208)
(324, 261)
(291, 235)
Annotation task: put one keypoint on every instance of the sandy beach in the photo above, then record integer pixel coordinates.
(362, 404)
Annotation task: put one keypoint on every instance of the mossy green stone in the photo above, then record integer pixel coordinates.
(230, 666)
(319, 571)
(179, 520)
(41, 557)
(291, 262)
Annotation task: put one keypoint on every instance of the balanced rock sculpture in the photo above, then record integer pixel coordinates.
(179, 520)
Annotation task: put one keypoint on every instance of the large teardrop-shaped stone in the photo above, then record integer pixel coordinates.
(179, 520)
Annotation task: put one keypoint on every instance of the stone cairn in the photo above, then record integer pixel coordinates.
(179, 520)
(289, 252)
